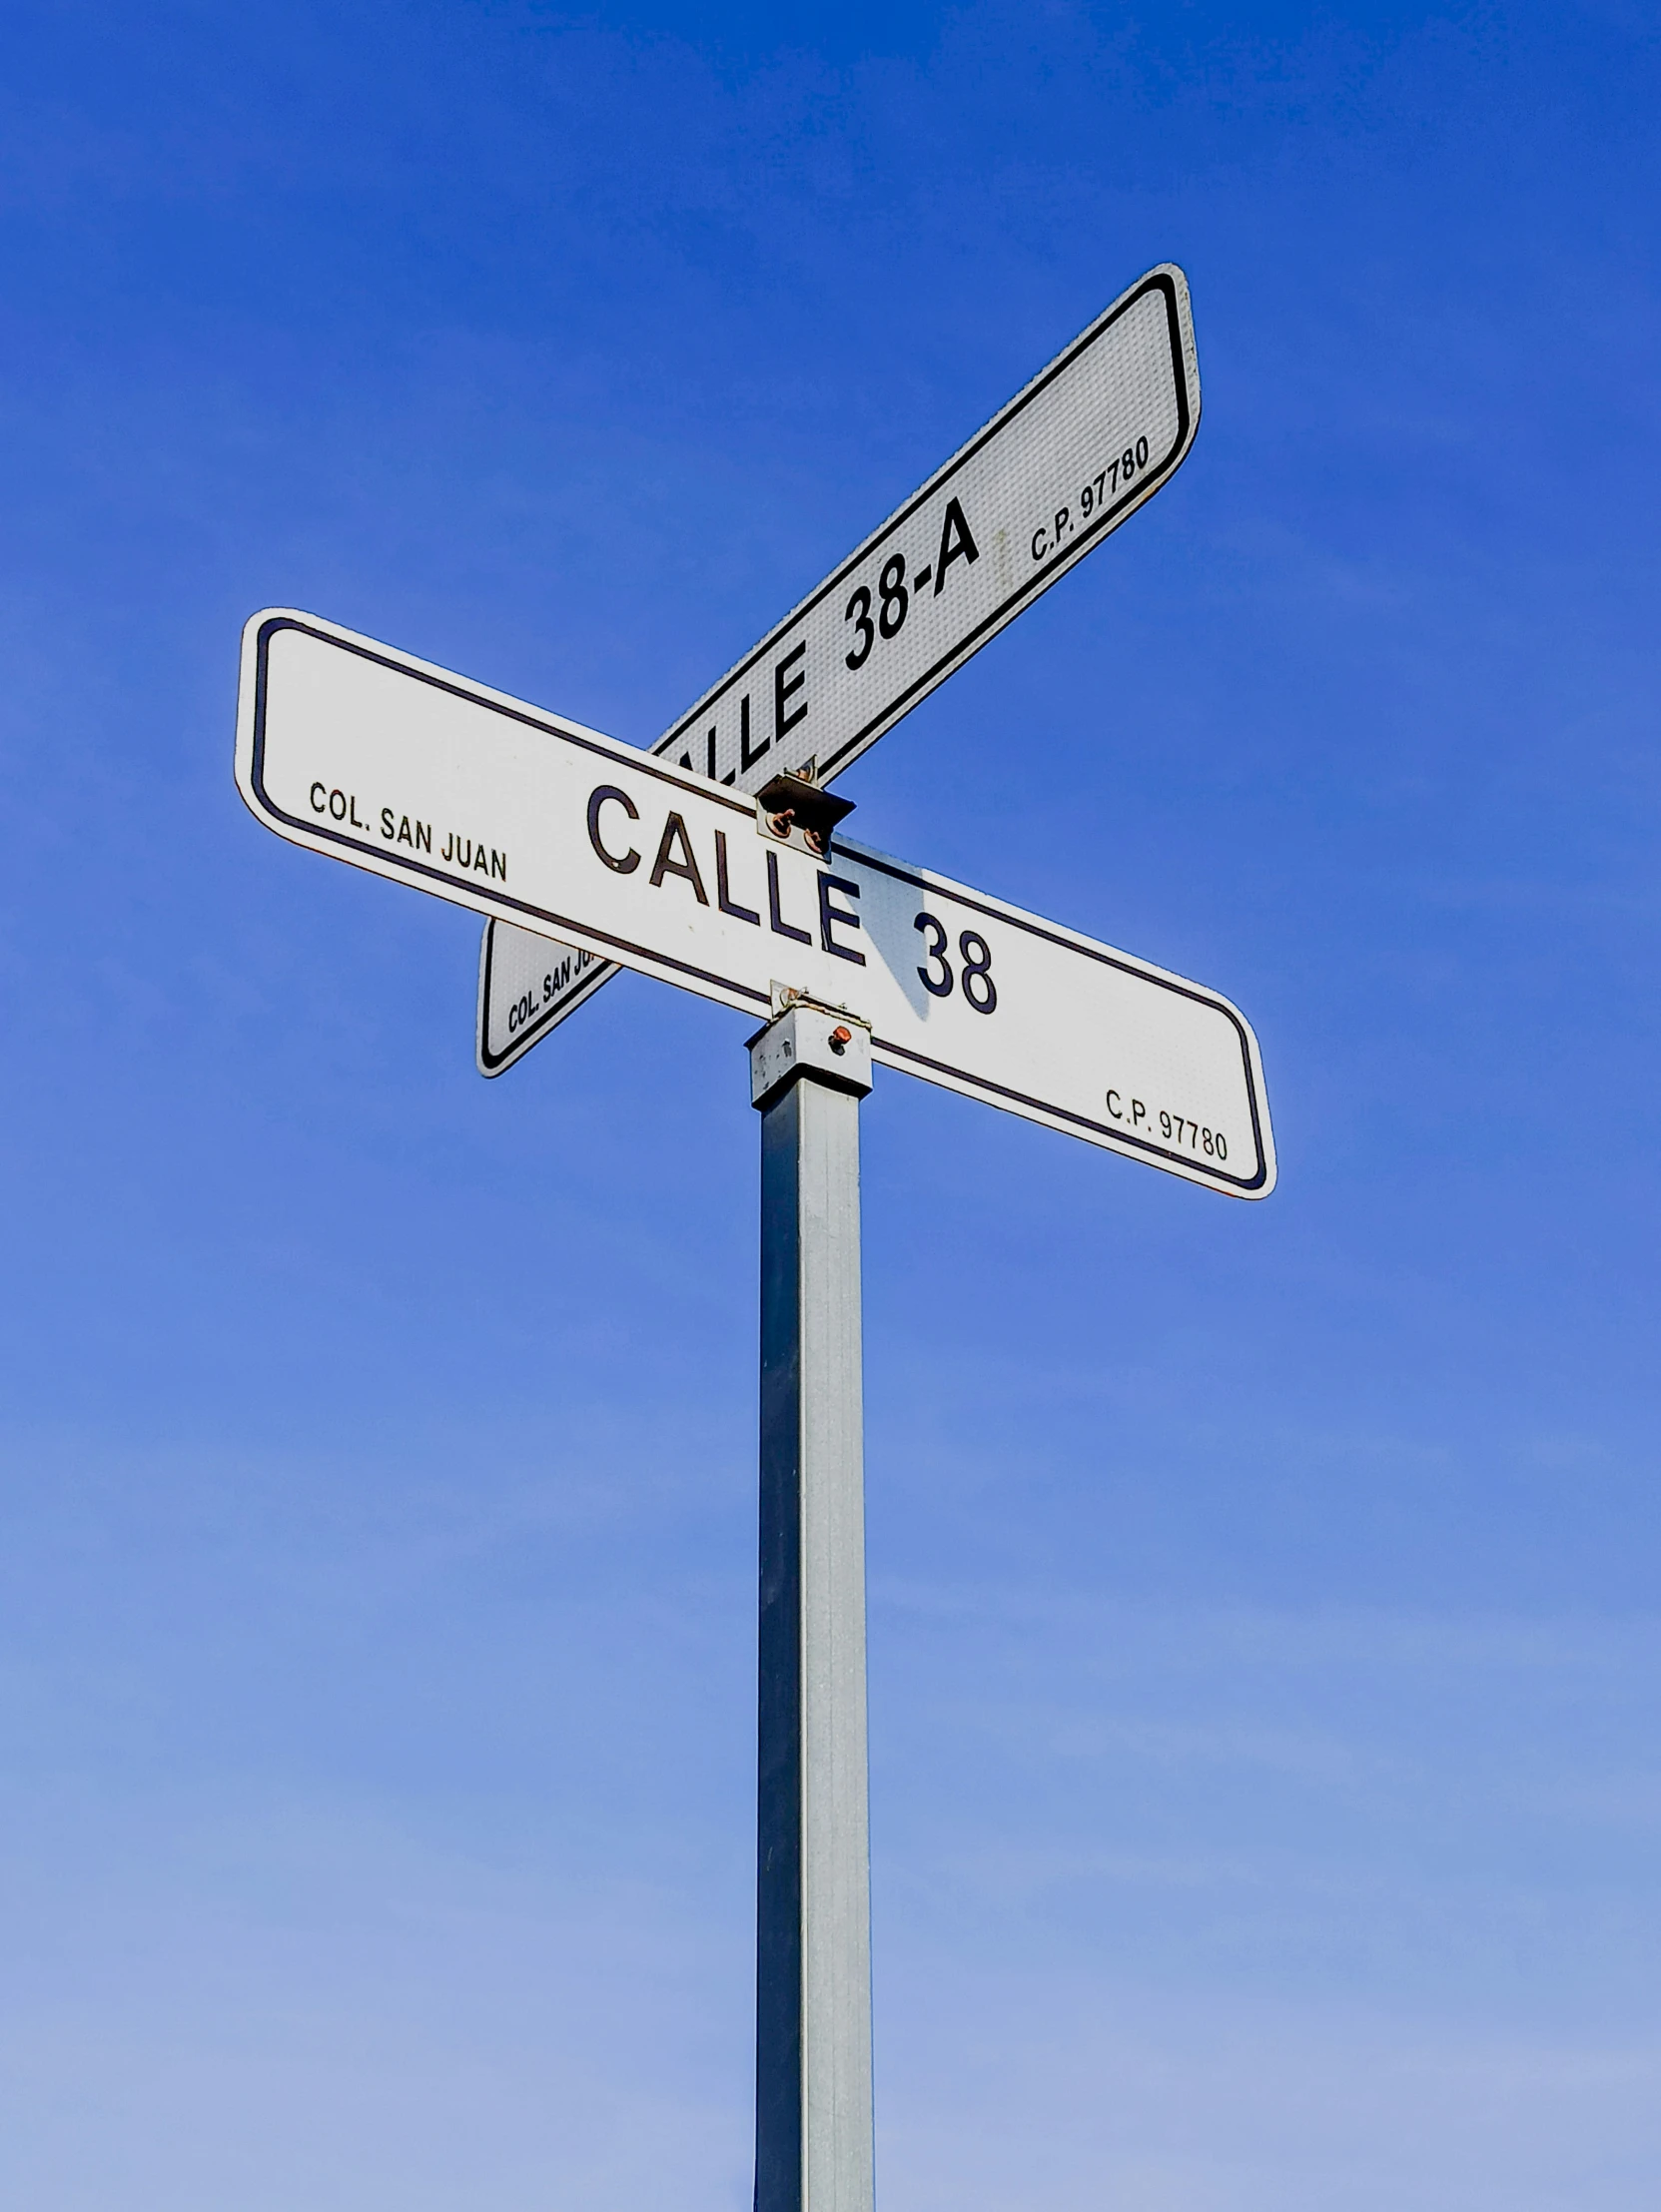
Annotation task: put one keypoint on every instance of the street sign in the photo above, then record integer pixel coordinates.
(1092, 437)
(383, 761)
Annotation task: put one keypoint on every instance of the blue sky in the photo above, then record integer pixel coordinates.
(1264, 1619)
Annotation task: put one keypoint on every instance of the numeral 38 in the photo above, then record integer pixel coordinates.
(896, 603)
(975, 978)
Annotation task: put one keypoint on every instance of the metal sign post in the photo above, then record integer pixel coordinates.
(813, 2124)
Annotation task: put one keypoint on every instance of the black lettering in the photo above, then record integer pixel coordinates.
(1061, 524)
(747, 759)
(1113, 1105)
(731, 775)
(674, 832)
(955, 543)
(338, 812)
(931, 927)
(386, 830)
(320, 798)
(423, 836)
(356, 825)
(975, 977)
(783, 691)
(1039, 546)
(498, 864)
(780, 926)
(896, 599)
(829, 915)
(859, 613)
(626, 862)
(723, 889)
(1138, 1112)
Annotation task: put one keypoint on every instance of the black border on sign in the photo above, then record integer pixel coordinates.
(394, 867)
(984, 1084)
(1041, 579)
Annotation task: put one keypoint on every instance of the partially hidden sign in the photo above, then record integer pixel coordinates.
(1073, 455)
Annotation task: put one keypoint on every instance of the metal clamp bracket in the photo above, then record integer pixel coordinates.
(809, 1040)
(793, 810)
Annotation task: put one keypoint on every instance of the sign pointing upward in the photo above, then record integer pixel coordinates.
(1087, 442)
(1089, 439)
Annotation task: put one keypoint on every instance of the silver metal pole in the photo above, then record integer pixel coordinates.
(809, 1070)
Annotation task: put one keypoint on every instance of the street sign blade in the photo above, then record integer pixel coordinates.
(357, 751)
(1089, 441)
(510, 960)
(526, 984)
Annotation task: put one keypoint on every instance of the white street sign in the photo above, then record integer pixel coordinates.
(1092, 437)
(391, 764)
